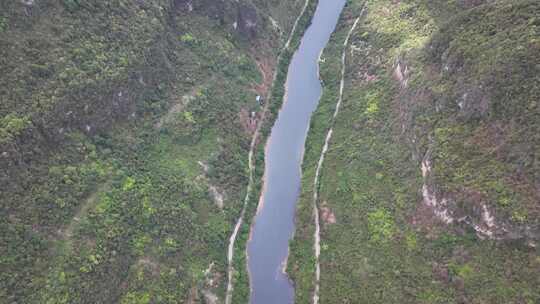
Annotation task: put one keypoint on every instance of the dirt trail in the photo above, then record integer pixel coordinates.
(88, 204)
(316, 215)
(251, 165)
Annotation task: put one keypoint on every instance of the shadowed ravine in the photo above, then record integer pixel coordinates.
(274, 223)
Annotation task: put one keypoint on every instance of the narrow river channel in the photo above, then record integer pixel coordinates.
(274, 223)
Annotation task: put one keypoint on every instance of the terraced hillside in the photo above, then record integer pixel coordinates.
(125, 128)
(430, 189)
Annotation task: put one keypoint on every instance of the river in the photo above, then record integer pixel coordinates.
(274, 223)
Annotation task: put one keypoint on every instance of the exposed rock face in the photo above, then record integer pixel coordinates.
(439, 206)
(327, 215)
(475, 212)
(473, 103)
(184, 5)
(471, 3)
(247, 21)
(240, 17)
(401, 73)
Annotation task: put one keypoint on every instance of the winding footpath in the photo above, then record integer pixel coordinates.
(316, 214)
(251, 166)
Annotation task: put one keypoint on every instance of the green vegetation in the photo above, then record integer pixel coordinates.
(12, 126)
(122, 128)
(3, 24)
(117, 119)
(453, 82)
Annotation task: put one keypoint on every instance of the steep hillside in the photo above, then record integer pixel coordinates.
(430, 189)
(124, 133)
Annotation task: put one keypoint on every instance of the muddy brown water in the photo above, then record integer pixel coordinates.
(274, 223)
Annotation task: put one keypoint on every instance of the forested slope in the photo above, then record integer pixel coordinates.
(430, 190)
(124, 134)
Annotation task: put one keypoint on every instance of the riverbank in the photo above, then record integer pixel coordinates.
(240, 277)
(274, 224)
(302, 260)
